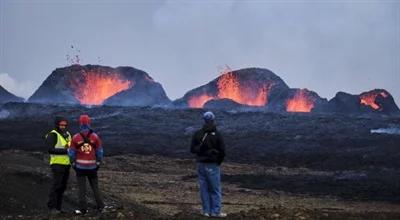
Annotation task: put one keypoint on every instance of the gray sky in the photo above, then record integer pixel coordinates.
(325, 46)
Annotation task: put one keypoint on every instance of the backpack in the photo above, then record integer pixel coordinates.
(212, 152)
(87, 146)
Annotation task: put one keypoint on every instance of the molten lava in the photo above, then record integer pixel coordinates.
(96, 87)
(230, 87)
(370, 98)
(199, 101)
(301, 102)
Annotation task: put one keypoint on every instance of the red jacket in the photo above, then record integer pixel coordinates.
(85, 155)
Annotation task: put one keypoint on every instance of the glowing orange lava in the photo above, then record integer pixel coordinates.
(301, 102)
(97, 87)
(369, 99)
(230, 87)
(199, 101)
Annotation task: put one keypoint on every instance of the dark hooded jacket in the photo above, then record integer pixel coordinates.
(208, 145)
(51, 138)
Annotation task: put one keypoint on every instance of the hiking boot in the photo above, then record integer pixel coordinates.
(205, 214)
(80, 211)
(219, 215)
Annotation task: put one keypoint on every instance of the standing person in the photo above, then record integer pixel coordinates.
(86, 154)
(209, 148)
(58, 141)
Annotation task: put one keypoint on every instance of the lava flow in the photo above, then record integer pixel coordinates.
(301, 102)
(199, 101)
(96, 87)
(369, 99)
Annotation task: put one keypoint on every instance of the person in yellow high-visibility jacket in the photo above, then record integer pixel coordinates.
(58, 141)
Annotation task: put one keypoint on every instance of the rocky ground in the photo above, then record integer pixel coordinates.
(318, 141)
(156, 187)
(279, 166)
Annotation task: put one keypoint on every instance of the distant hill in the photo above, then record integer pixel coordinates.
(6, 96)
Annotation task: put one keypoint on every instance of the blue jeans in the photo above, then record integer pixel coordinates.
(210, 187)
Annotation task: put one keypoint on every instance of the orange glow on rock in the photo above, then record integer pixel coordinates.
(230, 87)
(369, 99)
(301, 102)
(96, 87)
(199, 101)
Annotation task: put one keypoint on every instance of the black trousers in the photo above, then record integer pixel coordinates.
(91, 175)
(60, 174)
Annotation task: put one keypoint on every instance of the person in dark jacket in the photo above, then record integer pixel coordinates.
(208, 146)
(86, 154)
(58, 141)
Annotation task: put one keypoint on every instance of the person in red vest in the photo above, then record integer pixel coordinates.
(86, 155)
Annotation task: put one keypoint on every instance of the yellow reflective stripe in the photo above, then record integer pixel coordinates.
(59, 159)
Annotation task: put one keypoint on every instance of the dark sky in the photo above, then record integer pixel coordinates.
(325, 46)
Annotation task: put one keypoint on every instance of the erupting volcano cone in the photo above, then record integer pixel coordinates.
(371, 99)
(374, 101)
(255, 88)
(97, 85)
(378, 100)
(247, 87)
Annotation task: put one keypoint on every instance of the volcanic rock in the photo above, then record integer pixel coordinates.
(343, 103)
(224, 104)
(96, 85)
(6, 96)
(374, 101)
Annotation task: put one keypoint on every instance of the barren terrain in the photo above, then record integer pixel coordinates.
(279, 166)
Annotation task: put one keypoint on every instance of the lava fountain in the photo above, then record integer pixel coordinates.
(96, 87)
(230, 87)
(301, 102)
